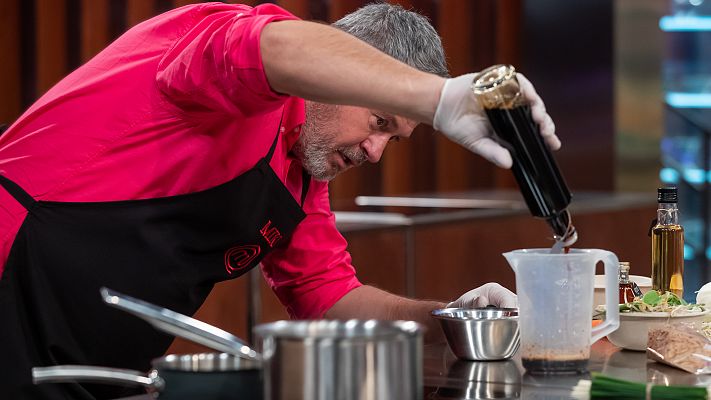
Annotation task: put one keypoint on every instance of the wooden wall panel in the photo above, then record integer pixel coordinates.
(379, 258)
(453, 258)
(51, 43)
(509, 18)
(28, 53)
(509, 15)
(272, 310)
(456, 167)
(247, 2)
(95, 28)
(364, 180)
(339, 8)
(424, 155)
(398, 167)
(161, 6)
(10, 75)
(180, 3)
(138, 11)
(300, 8)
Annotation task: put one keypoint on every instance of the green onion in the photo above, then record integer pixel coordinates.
(605, 387)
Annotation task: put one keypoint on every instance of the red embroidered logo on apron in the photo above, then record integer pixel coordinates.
(270, 234)
(240, 257)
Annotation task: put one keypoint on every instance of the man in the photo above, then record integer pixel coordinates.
(180, 157)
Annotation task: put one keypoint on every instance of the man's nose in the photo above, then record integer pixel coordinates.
(374, 146)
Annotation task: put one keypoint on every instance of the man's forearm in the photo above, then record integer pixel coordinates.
(367, 302)
(321, 63)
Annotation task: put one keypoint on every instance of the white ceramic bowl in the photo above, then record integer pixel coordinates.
(632, 333)
(644, 283)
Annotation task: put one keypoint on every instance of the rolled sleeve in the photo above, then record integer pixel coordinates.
(216, 66)
(314, 271)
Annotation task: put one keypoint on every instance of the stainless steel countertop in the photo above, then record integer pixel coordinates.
(445, 377)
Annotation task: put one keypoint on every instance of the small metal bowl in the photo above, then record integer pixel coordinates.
(481, 334)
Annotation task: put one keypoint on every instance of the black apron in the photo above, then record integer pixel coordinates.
(169, 251)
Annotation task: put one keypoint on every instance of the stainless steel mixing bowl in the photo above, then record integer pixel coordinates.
(480, 333)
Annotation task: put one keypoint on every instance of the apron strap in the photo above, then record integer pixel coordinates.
(305, 182)
(276, 139)
(305, 177)
(17, 192)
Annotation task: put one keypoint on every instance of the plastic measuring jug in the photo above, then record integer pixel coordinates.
(555, 293)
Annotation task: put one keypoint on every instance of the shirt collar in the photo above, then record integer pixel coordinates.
(294, 117)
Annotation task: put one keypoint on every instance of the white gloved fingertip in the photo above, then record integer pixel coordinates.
(503, 160)
(493, 152)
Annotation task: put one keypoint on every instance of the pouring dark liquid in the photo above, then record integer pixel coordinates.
(538, 176)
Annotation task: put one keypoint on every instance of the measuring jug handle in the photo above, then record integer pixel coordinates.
(612, 308)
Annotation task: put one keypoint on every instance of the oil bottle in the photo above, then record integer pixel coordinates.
(668, 244)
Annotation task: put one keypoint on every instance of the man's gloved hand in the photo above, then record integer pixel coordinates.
(488, 294)
(460, 117)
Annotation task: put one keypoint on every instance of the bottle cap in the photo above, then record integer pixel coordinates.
(624, 266)
(667, 195)
(497, 87)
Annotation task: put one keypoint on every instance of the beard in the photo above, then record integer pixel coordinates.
(316, 145)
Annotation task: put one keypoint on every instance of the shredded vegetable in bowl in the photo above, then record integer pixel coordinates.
(669, 302)
(706, 329)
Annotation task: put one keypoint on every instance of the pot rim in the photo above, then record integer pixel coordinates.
(339, 329)
(205, 362)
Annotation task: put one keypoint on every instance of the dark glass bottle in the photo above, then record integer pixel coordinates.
(537, 174)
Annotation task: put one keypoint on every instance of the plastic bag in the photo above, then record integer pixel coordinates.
(680, 345)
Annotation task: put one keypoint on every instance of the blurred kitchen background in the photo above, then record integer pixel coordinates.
(628, 83)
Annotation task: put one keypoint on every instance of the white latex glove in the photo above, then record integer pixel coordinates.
(488, 294)
(460, 117)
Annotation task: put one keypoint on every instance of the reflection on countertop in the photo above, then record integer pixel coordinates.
(446, 377)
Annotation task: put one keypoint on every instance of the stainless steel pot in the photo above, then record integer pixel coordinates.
(214, 376)
(234, 374)
(344, 360)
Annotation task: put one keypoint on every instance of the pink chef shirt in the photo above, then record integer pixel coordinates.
(178, 104)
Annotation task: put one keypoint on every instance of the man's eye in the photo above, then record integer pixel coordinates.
(381, 122)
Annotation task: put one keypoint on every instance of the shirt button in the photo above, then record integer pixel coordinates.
(282, 129)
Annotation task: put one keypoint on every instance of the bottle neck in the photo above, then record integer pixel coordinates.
(667, 214)
(624, 276)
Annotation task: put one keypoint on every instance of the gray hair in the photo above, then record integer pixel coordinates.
(402, 34)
